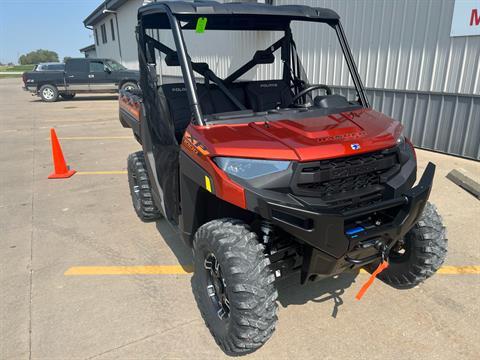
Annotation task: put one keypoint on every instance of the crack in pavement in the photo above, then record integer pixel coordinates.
(32, 218)
(141, 339)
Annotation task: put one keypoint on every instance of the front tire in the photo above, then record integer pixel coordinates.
(234, 286)
(48, 93)
(129, 86)
(419, 255)
(140, 188)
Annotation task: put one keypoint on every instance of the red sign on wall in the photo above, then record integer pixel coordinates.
(466, 18)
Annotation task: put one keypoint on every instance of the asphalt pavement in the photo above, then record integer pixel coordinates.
(60, 240)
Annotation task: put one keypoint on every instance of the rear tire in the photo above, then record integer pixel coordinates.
(48, 93)
(228, 250)
(140, 188)
(68, 96)
(423, 252)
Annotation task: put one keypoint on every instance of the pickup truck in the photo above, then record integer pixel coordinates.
(83, 75)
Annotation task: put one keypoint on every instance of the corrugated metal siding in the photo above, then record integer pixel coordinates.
(414, 70)
(445, 123)
(404, 45)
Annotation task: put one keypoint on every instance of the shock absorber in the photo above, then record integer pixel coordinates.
(268, 232)
(280, 249)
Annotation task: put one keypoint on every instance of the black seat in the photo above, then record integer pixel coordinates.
(177, 100)
(268, 94)
(221, 103)
(255, 95)
(212, 100)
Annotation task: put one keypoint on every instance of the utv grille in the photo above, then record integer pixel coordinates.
(347, 182)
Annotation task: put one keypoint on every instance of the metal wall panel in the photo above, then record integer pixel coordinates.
(404, 44)
(444, 123)
(413, 69)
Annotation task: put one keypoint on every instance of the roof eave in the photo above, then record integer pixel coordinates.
(88, 48)
(97, 15)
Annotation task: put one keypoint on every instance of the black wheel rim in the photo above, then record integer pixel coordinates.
(216, 287)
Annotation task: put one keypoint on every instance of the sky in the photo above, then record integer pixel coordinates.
(56, 25)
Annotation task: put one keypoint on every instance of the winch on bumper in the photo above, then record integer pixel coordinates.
(350, 239)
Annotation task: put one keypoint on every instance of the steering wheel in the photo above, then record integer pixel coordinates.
(311, 88)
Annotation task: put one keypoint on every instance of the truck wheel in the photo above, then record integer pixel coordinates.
(68, 96)
(140, 188)
(129, 86)
(233, 286)
(48, 93)
(419, 255)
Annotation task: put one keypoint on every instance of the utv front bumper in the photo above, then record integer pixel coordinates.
(335, 242)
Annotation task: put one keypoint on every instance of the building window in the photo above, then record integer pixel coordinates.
(113, 31)
(96, 37)
(104, 33)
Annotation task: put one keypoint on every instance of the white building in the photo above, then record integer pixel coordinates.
(113, 25)
(89, 51)
(419, 60)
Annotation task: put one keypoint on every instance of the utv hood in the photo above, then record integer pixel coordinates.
(306, 139)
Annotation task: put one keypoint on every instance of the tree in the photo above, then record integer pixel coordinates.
(66, 58)
(38, 56)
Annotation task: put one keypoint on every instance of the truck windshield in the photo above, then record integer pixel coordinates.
(113, 65)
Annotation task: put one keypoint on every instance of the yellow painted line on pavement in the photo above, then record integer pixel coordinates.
(459, 270)
(183, 270)
(129, 270)
(94, 138)
(81, 120)
(115, 172)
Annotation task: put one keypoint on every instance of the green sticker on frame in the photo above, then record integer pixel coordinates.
(201, 25)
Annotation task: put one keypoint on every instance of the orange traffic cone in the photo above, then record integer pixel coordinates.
(61, 171)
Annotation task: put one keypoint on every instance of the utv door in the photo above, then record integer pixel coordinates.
(160, 147)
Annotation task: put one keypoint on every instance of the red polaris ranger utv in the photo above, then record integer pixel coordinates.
(271, 176)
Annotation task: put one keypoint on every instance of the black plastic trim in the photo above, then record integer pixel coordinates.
(324, 231)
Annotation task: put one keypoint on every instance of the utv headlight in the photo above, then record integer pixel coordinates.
(250, 168)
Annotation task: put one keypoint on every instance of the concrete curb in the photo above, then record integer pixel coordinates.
(464, 182)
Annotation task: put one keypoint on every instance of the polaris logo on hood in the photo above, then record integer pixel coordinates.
(355, 146)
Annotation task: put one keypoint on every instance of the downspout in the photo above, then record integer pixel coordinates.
(105, 11)
(94, 37)
(118, 38)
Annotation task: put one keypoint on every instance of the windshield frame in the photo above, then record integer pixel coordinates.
(147, 48)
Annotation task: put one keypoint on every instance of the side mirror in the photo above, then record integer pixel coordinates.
(107, 70)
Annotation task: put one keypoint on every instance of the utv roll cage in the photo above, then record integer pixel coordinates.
(178, 16)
